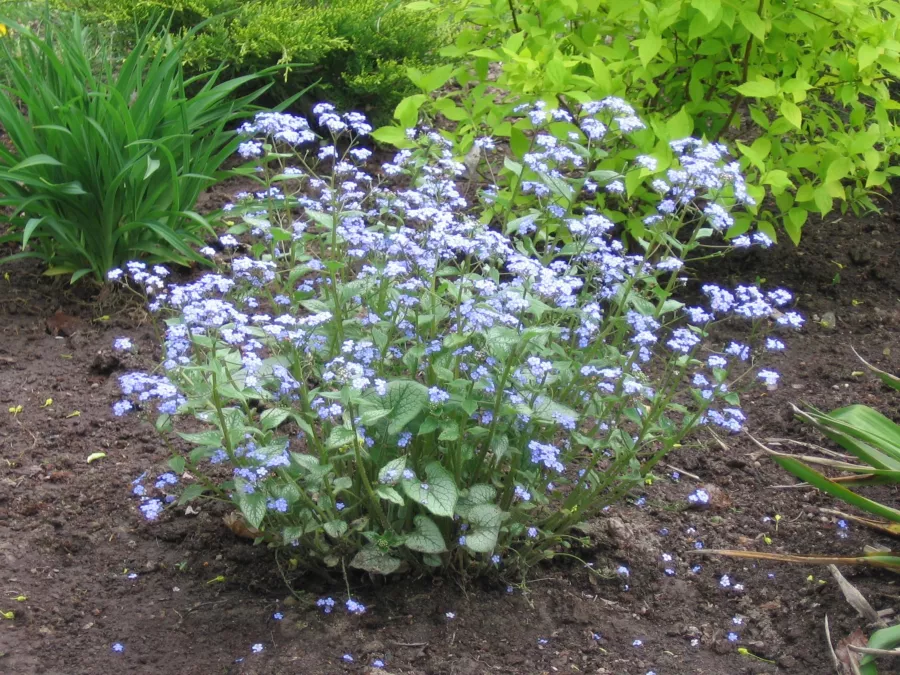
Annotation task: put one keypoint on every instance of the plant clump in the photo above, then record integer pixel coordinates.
(393, 374)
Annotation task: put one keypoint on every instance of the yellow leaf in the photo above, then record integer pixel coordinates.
(791, 113)
(868, 55)
(74, 413)
(95, 456)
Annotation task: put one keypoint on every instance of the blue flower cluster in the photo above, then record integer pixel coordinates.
(384, 350)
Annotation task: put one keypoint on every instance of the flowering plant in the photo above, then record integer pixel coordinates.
(390, 377)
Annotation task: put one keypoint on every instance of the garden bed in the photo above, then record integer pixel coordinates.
(70, 533)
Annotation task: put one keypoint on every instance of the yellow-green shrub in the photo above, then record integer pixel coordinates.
(357, 51)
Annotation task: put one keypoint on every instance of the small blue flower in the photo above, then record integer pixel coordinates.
(122, 344)
(118, 647)
(733, 637)
(355, 607)
(347, 658)
(257, 648)
(699, 497)
(278, 616)
(378, 663)
(437, 395)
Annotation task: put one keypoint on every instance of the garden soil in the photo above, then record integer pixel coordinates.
(71, 534)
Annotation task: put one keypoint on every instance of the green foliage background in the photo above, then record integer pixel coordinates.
(357, 50)
(803, 90)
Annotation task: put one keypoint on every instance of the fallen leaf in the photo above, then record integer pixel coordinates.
(858, 639)
(239, 526)
(63, 324)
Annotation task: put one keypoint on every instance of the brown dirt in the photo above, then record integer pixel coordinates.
(70, 533)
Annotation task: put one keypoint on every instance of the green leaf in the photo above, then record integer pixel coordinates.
(405, 399)
(679, 125)
(753, 23)
(273, 417)
(792, 113)
(407, 111)
(485, 520)
(436, 79)
(390, 472)
(867, 56)
(371, 416)
(438, 494)
(709, 8)
(373, 559)
(867, 425)
(292, 533)
(177, 464)
(210, 438)
(426, 538)
(190, 493)
(390, 494)
(395, 136)
(449, 432)
(761, 88)
(253, 507)
(839, 169)
(777, 179)
(817, 480)
(477, 495)
(794, 222)
(886, 639)
(649, 47)
(335, 528)
(339, 437)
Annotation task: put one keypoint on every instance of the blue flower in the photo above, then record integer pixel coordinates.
(699, 497)
(118, 647)
(437, 395)
(123, 344)
(151, 509)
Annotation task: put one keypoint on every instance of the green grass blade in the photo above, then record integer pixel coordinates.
(886, 638)
(814, 478)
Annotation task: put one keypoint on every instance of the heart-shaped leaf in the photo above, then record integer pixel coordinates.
(427, 537)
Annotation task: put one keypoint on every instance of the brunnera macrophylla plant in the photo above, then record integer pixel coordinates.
(390, 380)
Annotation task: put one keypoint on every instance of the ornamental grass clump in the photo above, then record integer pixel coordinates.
(389, 379)
(105, 157)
